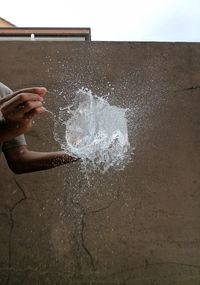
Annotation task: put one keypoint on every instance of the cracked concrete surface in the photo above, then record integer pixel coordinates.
(139, 226)
(83, 242)
(11, 214)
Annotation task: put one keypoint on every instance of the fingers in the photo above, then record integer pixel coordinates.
(28, 106)
(21, 99)
(35, 90)
(33, 112)
(40, 110)
(70, 158)
(41, 91)
(74, 158)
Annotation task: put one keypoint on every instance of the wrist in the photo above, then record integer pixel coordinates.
(2, 121)
(2, 127)
(5, 124)
(7, 130)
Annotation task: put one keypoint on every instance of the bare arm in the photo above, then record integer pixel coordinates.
(21, 160)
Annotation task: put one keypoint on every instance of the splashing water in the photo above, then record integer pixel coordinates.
(96, 132)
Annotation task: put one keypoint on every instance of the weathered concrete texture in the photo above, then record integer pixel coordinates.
(138, 227)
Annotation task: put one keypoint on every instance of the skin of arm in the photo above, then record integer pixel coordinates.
(22, 160)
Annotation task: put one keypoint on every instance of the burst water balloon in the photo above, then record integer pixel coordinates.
(96, 132)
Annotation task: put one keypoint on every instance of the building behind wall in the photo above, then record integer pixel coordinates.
(5, 23)
(9, 32)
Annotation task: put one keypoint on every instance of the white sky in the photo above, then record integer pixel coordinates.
(112, 20)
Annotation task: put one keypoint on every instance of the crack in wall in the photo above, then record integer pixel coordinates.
(78, 214)
(34, 270)
(79, 235)
(83, 242)
(12, 223)
(146, 266)
(192, 88)
(83, 224)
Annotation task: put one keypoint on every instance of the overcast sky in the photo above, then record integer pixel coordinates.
(112, 20)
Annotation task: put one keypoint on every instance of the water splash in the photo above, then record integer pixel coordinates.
(96, 132)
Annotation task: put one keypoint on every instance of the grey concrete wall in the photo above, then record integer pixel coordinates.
(140, 226)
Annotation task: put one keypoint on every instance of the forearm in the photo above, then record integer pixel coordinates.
(30, 161)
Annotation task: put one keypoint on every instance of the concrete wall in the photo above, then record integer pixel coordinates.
(139, 226)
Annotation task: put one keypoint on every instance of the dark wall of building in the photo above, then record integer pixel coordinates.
(139, 226)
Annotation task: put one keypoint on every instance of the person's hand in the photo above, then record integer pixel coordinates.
(69, 158)
(20, 107)
(60, 158)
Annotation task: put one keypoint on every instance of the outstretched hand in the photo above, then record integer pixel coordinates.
(19, 108)
(67, 158)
